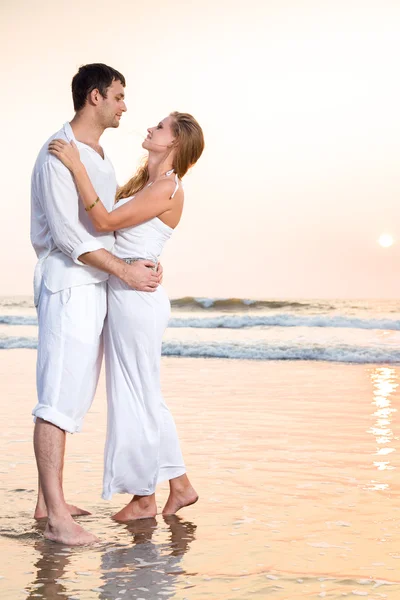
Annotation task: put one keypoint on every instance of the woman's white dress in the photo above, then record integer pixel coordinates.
(142, 446)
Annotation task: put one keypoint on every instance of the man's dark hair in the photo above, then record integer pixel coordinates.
(92, 77)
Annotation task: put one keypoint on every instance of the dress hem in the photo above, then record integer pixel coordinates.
(169, 474)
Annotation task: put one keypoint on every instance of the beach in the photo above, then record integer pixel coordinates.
(271, 202)
(296, 464)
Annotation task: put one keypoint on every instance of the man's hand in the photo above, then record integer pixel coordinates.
(160, 273)
(140, 276)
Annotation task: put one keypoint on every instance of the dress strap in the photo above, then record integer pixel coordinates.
(176, 186)
(176, 182)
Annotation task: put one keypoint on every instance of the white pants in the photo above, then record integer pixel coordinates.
(70, 350)
(142, 447)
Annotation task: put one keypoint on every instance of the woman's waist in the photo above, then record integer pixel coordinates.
(146, 247)
(131, 259)
(131, 254)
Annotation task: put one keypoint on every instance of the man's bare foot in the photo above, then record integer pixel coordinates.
(66, 531)
(179, 498)
(140, 507)
(74, 511)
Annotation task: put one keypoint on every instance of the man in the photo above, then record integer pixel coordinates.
(70, 288)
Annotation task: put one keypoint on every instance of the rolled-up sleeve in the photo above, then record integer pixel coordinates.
(60, 201)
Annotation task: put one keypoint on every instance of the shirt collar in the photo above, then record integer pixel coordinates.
(69, 134)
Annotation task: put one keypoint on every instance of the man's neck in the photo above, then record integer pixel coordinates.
(86, 130)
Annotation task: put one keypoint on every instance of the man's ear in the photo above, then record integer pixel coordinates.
(94, 97)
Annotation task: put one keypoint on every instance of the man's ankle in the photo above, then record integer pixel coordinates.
(57, 516)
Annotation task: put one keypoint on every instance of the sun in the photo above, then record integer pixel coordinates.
(385, 240)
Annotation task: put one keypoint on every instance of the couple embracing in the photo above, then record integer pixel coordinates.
(97, 288)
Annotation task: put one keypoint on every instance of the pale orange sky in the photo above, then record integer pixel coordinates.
(299, 102)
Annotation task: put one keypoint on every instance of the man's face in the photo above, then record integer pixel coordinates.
(112, 107)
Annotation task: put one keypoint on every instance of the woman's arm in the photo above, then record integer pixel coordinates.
(149, 203)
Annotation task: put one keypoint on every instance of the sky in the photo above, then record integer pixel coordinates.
(299, 102)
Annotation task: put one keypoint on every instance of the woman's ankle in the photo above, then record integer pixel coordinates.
(179, 484)
(144, 501)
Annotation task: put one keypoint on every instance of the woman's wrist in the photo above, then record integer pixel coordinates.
(78, 167)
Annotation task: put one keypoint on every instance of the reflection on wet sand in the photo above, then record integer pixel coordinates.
(50, 568)
(143, 568)
(146, 569)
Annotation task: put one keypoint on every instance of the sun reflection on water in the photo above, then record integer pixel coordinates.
(385, 382)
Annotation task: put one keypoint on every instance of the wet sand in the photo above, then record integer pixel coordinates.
(296, 463)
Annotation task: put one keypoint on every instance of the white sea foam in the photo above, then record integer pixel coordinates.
(284, 320)
(7, 343)
(347, 353)
(338, 353)
(17, 320)
(248, 321)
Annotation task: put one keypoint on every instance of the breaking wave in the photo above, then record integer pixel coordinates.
(344, 353)
(247, 321)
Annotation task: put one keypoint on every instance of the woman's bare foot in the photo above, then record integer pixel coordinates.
(74, 511)
(66, 531)
(140, 507)
(181, 494)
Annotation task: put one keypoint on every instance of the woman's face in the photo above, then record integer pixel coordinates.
(160, 137)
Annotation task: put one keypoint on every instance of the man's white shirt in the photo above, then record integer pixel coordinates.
(61, 230)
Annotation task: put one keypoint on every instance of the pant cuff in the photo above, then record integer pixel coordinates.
(50, 414)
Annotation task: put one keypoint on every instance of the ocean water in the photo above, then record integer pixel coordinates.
(349, 331)
(288, 416)
(296, 463)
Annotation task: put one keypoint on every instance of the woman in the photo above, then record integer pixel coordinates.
(142, 447)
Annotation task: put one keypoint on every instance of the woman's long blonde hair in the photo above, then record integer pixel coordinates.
(189, 143)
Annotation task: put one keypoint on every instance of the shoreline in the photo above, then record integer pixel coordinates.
(294, 477)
